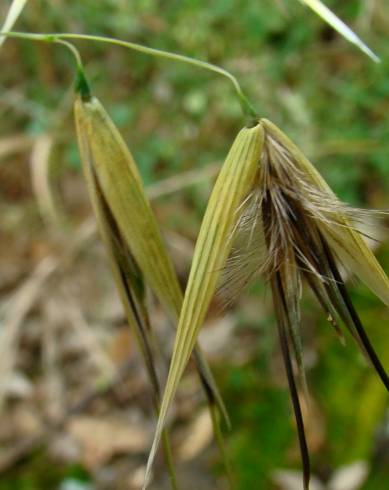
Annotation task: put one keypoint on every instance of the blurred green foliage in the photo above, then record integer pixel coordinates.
(36, 474)
(320, 90)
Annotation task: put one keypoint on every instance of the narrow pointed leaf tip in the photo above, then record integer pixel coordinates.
(328, 16)
(13, 13)
(213, 246)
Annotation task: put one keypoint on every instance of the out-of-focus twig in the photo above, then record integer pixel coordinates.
(19, 307)
(87, 337)
(181, 181)
(25, 297)
(41, 179)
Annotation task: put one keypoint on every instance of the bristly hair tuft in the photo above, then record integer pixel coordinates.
(292, 227)
(292, 194)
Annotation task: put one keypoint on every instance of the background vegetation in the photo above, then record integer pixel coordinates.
(70, 339)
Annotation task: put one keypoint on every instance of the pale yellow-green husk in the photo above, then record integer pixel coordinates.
(124, 193)
(213, 246)
(127, 278)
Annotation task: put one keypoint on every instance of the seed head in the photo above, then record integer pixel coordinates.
(286, 224)
(293, 228)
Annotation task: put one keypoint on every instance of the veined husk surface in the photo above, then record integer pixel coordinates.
(130, 285)
(213, 245)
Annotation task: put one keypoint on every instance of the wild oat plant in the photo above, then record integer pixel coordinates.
(270, 213)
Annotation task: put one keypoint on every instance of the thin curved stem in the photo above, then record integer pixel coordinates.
(82, 86)
(73, 49)
(247, 108)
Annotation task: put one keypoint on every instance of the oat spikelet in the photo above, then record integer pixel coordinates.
(112, 173)
(129, 282)
(288, 226)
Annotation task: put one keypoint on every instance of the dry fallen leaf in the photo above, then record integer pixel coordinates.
(103, 437)
(350, 477)
(216, 336)
(197, 437)
(293, 480)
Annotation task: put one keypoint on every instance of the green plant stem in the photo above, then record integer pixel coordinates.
(247, 108)
(82, 85)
